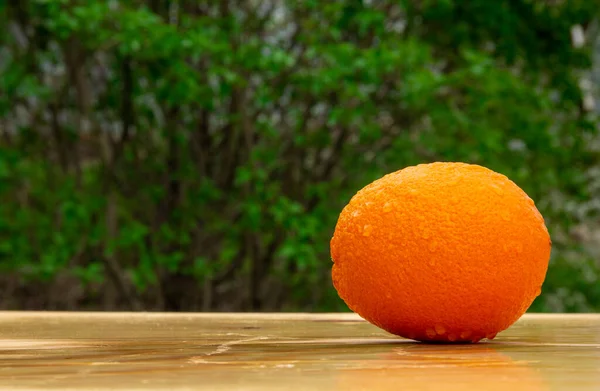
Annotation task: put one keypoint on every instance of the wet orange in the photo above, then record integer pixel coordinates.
(449, 252)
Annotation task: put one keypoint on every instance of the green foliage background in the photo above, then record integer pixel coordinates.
(194, 155)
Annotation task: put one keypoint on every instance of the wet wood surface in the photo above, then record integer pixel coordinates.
(146, 351)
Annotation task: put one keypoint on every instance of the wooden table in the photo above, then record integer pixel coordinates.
(125, 351)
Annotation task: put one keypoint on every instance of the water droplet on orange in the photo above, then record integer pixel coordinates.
(430, 333)
(387, 207)
(465, 334)
(439, 329)
(367, 229)
(452, 337)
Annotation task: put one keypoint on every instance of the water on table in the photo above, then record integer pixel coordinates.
(83, 351)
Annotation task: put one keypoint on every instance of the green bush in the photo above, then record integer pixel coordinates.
(188, 155)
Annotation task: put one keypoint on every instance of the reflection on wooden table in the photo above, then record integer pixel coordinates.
(85, 351)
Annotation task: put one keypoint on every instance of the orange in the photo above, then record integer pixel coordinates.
(449, 252)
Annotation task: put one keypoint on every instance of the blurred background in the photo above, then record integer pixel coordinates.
(194, 155)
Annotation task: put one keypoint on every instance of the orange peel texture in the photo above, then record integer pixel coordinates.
(447, 252)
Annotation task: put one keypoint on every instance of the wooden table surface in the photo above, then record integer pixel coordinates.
(125, 351)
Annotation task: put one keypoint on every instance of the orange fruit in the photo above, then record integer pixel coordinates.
(449, 252)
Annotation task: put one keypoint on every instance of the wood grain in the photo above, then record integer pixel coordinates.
(158, 351)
